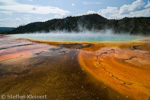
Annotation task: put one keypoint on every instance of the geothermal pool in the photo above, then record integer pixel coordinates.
(85, 37)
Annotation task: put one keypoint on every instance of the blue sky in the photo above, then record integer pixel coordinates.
(19, 12)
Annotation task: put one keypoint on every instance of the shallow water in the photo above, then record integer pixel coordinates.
(86, 37)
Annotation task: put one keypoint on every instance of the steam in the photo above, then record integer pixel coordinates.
(85, 36)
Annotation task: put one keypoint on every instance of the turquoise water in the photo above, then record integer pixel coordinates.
(86, 37)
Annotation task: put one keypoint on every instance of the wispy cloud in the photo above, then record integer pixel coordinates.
(108, 10)
(91, 12)
(91, 3)
(148, 4)
(137, 9)
(73, 4)
(135, 6)
(14, 6)
(6, 12)
(10, 19)
(10, 22)
(5, 19)
(18, 19)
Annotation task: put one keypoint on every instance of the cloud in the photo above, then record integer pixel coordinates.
(18, 19)
(13, 6)
(27, 18)
(10, 19)
(135, 6)
(109, 10)
(8, 1)
(136, 9)
(6, 12)
(91, 3)
(13, 22)
(91, 12)
(5, 19)
(148, 4)
(73, 4)
(57, 16)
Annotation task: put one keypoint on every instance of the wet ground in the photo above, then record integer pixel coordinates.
(75, 71)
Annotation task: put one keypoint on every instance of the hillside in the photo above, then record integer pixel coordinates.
(139, 25)
(6, 29)
(88, 22)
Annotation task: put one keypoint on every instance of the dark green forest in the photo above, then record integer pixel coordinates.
(136, 25)
(6, 29)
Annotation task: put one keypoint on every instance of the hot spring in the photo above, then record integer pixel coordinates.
(75, 37)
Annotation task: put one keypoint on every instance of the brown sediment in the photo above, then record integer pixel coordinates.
(14, 46)
(121, 68)
(24, 51)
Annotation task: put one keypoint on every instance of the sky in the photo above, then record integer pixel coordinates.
(14, 13)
